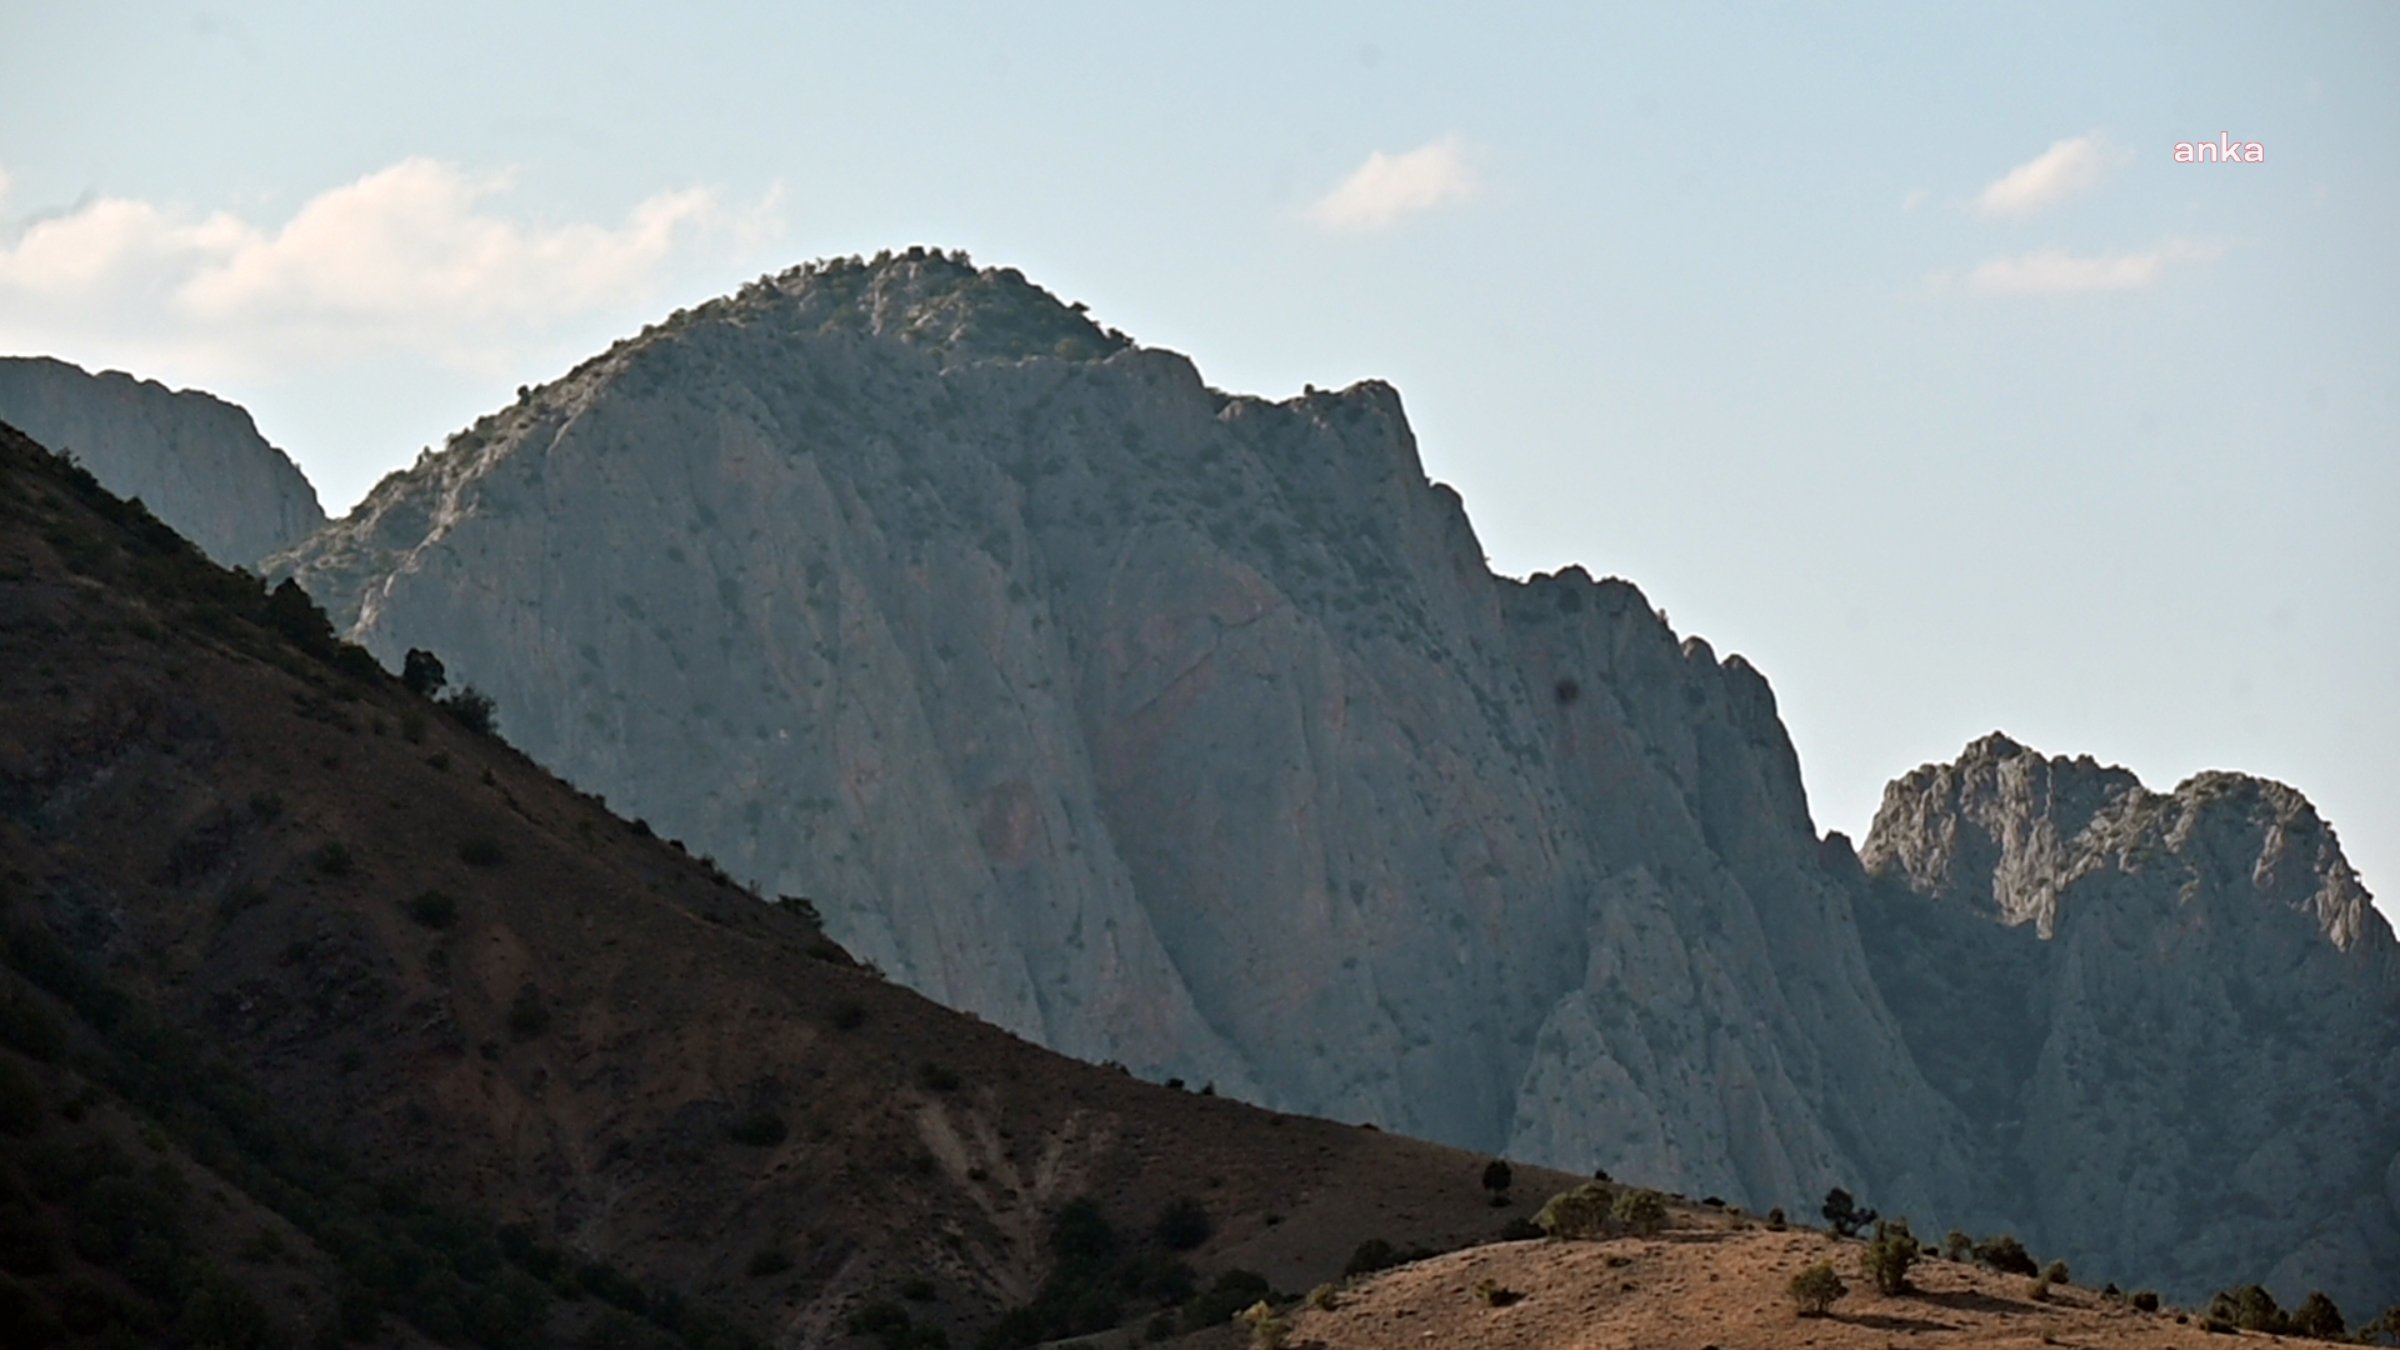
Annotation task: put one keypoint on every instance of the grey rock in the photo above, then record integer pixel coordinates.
(195, 460)
(2170, 1017)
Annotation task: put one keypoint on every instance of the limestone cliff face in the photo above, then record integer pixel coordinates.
(1166, 726)
(2171, 1017)
(1191, 731)
(196, 461)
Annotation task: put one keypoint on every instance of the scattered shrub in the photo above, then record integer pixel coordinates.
(1957, 1246)
(1520, 1229)
(422, 672)
(917, 1289)
(1775, 1219)
(2250, 1308)
(2039, 1292)
(2003, 1253)
(333, 859)
(1640, 1212)
(768, 1261)
(1579, 1213)
(2056, 1273)
(1370, 1256)
(1182, 1225)
(1816, 1288)
(433, 909)
(2146, 1300)
(937, 1078)
(1324, 1298)
(758, 1129)
(1268, 1329)
(1495, 1294)
(1888, 1256)
(2317, 1317)
(848, 1015)
(529, 1014)
(1497, 1177)
(1843, 1215)
(481, 850)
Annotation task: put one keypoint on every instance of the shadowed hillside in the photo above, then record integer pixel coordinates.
(381, 975)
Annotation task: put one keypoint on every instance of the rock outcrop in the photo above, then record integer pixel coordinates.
(2170, 1018)
(1191, 731)
(1162, 725)
(196, 461)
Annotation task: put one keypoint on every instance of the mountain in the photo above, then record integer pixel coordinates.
(195, 460)
(1190, 731)
(322, 1012)
(1159, 725)
(2169, 1017)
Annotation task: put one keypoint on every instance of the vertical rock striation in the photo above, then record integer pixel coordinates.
(196, 461)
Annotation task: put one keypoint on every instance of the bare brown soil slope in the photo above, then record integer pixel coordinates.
(424, 948)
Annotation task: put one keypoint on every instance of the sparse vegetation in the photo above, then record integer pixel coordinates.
(1957, 1246)
(1888, 1256)
(1495, 1294)
(481, 850)
(1640, 1212)
(1816, 1288)
(1843, 1215)
(1579, 1213)
(1497, 1177)
(433, 909)
(2145, 1300)
(1182, 1225)
(2056, 1273)
(2003, 1253)
(1269, 1330)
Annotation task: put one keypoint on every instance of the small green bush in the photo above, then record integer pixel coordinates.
(2056, 1273)
(1640, 1212)
(2003, 1253)
(1816, 1288)
(1579, 1213)
(1957, 1246)
(2145, 1300)
(1888, 1256)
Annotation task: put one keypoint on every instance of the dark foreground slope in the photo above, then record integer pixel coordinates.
(351, 987)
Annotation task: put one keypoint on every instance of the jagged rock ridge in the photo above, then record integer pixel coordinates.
(2170, 1016)
(196, 461)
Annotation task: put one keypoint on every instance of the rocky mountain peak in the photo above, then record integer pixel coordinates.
(2006, 830)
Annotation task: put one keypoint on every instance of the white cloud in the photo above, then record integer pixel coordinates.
(1916, 197)
(420, 257)
(1386, 188)
(2070, 167)
(2057, 272)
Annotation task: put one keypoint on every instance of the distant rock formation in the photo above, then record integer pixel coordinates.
(1191, 731)
(2169, 1018)
(196, 461)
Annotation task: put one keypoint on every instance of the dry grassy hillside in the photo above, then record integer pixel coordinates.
(551, 1079)
(1721, 1283)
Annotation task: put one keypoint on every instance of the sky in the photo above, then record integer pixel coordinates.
(1888, 345)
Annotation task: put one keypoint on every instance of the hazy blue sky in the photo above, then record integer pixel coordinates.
(1886, 345)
